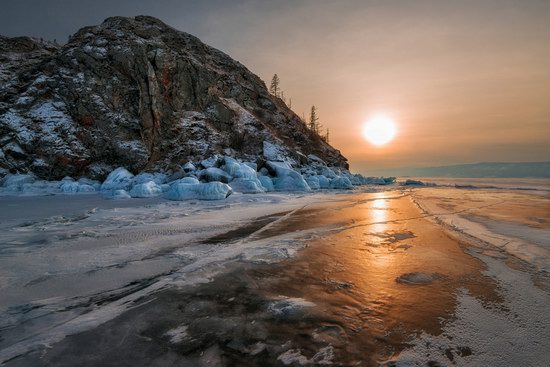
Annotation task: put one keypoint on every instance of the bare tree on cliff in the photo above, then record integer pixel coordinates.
(275, 88)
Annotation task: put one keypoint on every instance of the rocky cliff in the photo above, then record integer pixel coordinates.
(135, 92)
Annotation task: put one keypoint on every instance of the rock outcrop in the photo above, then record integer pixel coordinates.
(137, 93)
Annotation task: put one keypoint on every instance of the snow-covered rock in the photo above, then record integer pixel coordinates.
(145, 190)
(246, 186)
(340, 182)
(189, 167)
(214, 174)
(315, 159)
(204, 191)
(119, 179)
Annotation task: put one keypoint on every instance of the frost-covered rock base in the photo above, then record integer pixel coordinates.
(214, 178)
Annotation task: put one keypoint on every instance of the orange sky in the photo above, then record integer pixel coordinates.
(465, 80)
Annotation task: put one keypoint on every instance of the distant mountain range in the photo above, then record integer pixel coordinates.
(477, 170)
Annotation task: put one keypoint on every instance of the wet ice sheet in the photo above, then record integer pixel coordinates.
(62, 272)
(508, 334)
(519, 223)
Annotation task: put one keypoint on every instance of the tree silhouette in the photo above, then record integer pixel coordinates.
(274, 88)
(314, 121)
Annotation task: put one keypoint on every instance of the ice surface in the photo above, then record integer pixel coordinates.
(204, 191)
(145, 190)
(509, 335)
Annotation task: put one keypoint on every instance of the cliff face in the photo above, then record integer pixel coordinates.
(135, 92)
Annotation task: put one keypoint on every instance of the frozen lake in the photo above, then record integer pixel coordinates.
(400, 277)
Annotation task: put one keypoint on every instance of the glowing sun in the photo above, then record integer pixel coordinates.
(379, 130)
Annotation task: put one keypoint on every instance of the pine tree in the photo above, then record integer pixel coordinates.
(327, 135)
(313, 120)
(274, 88)
(290, 103)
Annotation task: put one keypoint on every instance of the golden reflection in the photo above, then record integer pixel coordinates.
(379, 213)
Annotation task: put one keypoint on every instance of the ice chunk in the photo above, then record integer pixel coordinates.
(246, 186)
(313, 182)
(204, 191)
(292, 181)
(116, 194)
(119, 179)
(69, 187)
(144, 177)
(324, 183)
(266, 183)
(145, 190)
(214, 174)
(327, 172)
(87, 181)
(16, 181)
(340, 182)
(286, 178)
(231, 166)
(186, 180)
(252, 165)
(86, 188)
(245, 171)
(210, 162)
(413, 183)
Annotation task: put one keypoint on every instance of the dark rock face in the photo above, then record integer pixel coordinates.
(135, 92)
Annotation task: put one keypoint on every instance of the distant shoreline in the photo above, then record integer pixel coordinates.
(474, 170)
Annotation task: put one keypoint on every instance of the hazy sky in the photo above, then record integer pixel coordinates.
(465, 81)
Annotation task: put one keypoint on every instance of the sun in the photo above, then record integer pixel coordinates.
(379, 130)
